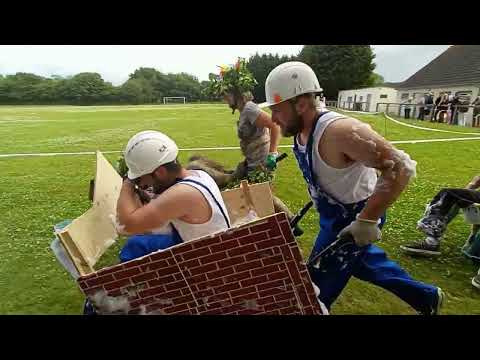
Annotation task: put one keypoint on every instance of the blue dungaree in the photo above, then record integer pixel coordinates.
(369, 263)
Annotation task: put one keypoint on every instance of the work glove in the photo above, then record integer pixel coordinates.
(271, 161)
(364, 232)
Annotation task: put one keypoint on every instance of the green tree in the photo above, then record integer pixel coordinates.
(375, 79)
(339, 67)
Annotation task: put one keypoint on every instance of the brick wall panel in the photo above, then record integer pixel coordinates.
(255, 269)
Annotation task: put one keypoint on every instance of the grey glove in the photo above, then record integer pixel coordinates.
(363, 231)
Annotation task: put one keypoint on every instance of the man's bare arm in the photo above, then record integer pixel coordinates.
(265, 121)
(360, 143)
(135, 218)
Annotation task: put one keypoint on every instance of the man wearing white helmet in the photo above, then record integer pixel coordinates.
(189, 200)
(339, 158)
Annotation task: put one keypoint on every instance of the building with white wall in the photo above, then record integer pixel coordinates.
(366, 98)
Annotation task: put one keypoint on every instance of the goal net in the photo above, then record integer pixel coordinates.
(174, 99)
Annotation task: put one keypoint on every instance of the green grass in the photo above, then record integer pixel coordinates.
(38, 192)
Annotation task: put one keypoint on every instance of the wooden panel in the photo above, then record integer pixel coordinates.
(237, 203)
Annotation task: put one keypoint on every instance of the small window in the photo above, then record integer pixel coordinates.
(361, 98)
(404, 96)
(383, 96)
(350, 99)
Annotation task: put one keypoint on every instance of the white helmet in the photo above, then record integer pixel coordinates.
(289, 80)
(148, 150)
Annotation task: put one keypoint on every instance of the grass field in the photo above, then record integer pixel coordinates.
(38, 192)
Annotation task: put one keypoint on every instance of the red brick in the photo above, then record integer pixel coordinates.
(161, 255)
(285, 296)
(152, 291)
(220, 273)
(292, 310)
(274, 231)
(161, 281)
(254, 238)
(302, 294)
(186, 290)
(277, 305)
(154, 307)
(241, 250)
(265, 270)
(115, 293)
(155, 265)
(204, 293)
(308, 310)
(175, 285)
(219, 297)
(248, 265)
(83, 284)
(144, 277)
(204, 269)
(171, 261)
(228, 310)
(249, 312)
(271, 292)
(179, 276)
(282, 266)
(271, 284)
(169, 295)
(260, 227)
(93, 290)
(190, 263)
(183, 299)
(260, 254)
(254, 281)
(296, 254)
(226, 288)
(242, 298)
(237, 277)
(226, 245)
(126, 273)
(106, 271)
(243, 291)
(117, 284)
(168, 271)
(210, 283)
(278, 275)
(197, 279)
(213, 258)
(208, 242)
(272, 260)
(287, 232)
(265, 300)
(274, 312)
(230, 262)
(100, 280)
(292, 269)
(218, 311)
(269, 243)
(137, 262)
(231, 234)
(196, 253)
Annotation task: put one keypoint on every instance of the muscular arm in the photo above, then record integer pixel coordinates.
(360, 143)
(171, 204)
(265, 121)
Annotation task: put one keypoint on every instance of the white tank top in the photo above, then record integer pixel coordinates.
(349, 185)
(217, 222)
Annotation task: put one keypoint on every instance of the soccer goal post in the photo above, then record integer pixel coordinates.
(174, 99)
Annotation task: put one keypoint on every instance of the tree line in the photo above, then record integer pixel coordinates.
(338, 67)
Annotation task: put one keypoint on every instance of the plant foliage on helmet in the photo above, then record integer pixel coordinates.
(235, 80)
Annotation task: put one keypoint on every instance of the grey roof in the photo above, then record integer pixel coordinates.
(458, 65)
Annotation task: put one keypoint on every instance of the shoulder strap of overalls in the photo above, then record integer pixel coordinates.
(211, 194)
(178, 239)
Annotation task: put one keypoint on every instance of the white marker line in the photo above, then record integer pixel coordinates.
(410, 126)
(225, 148)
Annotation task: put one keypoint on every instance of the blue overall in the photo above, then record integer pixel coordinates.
(369, 263)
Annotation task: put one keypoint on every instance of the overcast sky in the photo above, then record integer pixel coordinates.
(116, 62)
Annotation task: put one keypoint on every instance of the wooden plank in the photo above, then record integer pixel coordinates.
(238, 205)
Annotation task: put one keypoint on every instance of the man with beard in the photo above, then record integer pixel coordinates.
(339, 157)
(187, 200)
